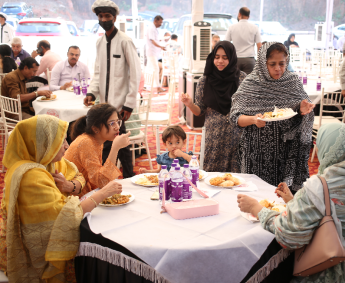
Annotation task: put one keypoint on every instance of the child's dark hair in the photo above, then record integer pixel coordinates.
(176, 131)
(276, 47)
(97, 116)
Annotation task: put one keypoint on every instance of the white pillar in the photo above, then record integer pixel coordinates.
(261, 13)
(329, 13)
(197, 11)
(134, 9)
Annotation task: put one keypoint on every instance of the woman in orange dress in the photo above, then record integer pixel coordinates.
(102, 123)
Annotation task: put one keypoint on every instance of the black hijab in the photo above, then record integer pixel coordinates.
(288, 42)
(221, 85)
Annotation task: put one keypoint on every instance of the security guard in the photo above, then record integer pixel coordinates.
(7, 31)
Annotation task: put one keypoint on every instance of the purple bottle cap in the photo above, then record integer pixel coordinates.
(185, 165)
(175, 160)
(174, 165)
(177, 168)
(164, 167)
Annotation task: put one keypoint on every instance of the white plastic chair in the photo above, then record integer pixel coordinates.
(334, 99)
(190, 137)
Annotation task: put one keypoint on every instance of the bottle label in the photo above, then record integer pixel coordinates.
(318, 86)
(187, 190)
(195, 176)
(166, 187)
(176, 191)
(84, 90)
(304, 80)
(77, 90)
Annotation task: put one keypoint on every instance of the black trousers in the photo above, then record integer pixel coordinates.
(246, 64)
(125, 155)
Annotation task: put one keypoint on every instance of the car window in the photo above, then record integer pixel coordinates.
(11, 9)
(181, 23)
(39, 28)
(342, 28)
(72, 30)
(218, 24)
(129, 24)
(95, 28)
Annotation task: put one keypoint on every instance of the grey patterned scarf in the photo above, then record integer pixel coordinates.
(259, 93)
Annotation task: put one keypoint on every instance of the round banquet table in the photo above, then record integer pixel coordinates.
(314, 95)
(137, 243)
(67, 106)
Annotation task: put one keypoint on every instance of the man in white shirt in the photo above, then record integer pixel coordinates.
(7, 31)
(117, 75)
(65, 71)
(153, 49)
(244, 35)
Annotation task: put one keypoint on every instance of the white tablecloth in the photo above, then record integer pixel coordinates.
(220, 248)
(68, 106)
(315, 96)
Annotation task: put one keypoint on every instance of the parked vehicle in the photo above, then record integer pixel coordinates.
(72, 27)
(271, 28)
(148, 15)
(339, 31)
(13, 22)
(169, 24)
(87, 26)
(19, 10)
(42, 27)
(219, 22)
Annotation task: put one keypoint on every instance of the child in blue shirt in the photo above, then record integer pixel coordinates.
(174, 138)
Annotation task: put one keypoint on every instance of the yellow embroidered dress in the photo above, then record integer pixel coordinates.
(40, 225)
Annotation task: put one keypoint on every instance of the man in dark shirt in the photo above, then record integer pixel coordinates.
(13, 85)
(17, 50)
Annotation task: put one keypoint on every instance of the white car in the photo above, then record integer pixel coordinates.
(72, 27)
(339, 31)
(13, 22)
(169, 24)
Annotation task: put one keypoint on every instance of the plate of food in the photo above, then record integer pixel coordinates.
(202, 175)
(71, 89)
(146, 180)
(46, 99)
(118, 199)
(278, 115)
(226, 180)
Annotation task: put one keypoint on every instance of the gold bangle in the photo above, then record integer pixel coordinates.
(94, 201)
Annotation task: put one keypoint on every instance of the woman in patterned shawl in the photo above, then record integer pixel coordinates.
(275, 151)
(213, 99)
(294, 228)
(40, 227)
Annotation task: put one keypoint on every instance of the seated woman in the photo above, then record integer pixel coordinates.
(294, 228)
(102, 123)
(40, 227)
(275, 151)
(7, 64)
(291, 41)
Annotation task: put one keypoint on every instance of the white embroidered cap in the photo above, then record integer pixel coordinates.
(3, 15)
(105, 4)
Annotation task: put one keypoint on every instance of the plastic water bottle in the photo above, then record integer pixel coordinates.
(76, 87)
(194, 168)
(88, 82)
(187, 188)
(84, 87)
(177, 185)
(172, 169)
(18, 61)
(176, 161)
(305, 80)
(318, 84)
(164, 180)
(300, 75)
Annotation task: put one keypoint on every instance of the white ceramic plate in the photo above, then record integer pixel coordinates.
(136, 177)
(207, 180)
(45, 100)
(203, 173)
(123, 193)
(278, 119)
(70, 89)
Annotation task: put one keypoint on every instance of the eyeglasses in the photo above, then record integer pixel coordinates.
(118, 123)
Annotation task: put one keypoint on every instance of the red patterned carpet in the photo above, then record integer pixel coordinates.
(159, 103)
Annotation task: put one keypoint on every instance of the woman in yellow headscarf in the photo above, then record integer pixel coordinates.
(40, 227)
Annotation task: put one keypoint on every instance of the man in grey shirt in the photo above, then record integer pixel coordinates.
(244, 35)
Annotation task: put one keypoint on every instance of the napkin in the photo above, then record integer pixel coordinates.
(246, 187)
(250, 217)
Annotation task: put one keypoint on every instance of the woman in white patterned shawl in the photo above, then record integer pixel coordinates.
(294, 228)
(275, 151)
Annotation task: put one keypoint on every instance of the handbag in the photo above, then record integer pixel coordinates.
(325, 248)
(191, 209)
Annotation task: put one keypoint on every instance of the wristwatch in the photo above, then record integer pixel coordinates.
(36, 93)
